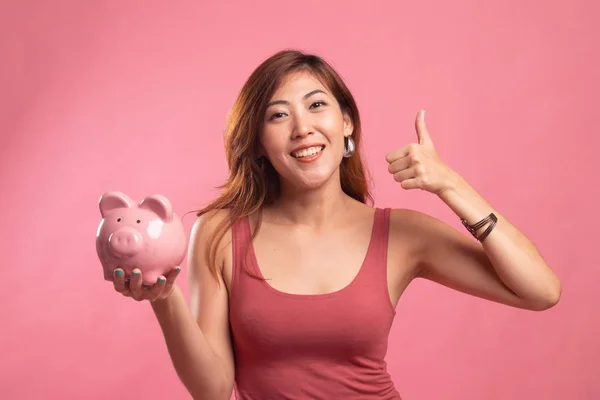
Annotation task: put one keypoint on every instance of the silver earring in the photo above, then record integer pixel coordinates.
(349, 146)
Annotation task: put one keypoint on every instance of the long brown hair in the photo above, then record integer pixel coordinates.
(252, 180)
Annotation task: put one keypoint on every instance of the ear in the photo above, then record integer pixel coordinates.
(160, 205)
(348, 125)
(113, 200)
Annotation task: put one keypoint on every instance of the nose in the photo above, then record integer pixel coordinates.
(125, 242)
(303, 126)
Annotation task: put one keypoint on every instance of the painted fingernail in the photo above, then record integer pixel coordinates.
(119, 273)
(178, 270)
(161, 281)
(136, 273)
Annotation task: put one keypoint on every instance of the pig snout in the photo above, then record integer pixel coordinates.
(125, 242)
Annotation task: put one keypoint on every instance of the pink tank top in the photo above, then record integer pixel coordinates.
(324, 346)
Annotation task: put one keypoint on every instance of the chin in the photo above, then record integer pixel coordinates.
(311, 181)
(311, 184)
(308, 175)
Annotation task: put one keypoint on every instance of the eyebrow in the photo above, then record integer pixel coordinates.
(306, 96)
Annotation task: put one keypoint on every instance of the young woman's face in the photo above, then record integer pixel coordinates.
(303, 132)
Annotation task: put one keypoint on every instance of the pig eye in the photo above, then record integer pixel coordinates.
(118, 219)
(138, 221)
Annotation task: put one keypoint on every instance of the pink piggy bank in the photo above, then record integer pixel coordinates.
(147, 235)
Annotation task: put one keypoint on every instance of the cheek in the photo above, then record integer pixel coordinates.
(333, 126)
(273, 144)
(334, 129)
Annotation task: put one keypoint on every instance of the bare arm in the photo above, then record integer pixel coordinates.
(198, 341)
(507, 268)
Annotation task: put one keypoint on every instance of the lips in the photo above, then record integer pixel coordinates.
(307, 151)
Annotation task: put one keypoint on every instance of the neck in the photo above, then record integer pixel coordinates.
(313, 207)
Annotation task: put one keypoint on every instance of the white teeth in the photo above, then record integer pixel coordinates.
(311, 151)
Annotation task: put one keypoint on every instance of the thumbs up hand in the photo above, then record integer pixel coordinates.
(418, 166)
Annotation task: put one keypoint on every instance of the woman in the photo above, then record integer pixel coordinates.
(294, 278)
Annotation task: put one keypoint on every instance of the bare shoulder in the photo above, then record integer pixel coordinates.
(415, 233)
(209, 222)
(415, 223)
(406, 215)
(403, 249)
(203, 233)
(405, 222)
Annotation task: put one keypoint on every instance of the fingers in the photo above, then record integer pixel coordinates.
(138, 291)
(397, 154)
(156, 290)
(421, 128)
(399, 165)
(414, 177)
(411, 184)
(119, 282)
(164, 286)
(408, 150)
(135, 285)
(172, 275)
(405, 174)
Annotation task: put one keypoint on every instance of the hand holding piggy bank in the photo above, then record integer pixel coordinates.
(144, 240)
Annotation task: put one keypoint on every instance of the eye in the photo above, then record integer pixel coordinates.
(318, 102)
(276, 115)
(118, 219)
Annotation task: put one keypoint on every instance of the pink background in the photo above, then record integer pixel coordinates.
(132, 96)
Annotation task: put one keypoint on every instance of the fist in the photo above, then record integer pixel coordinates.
(418, 166)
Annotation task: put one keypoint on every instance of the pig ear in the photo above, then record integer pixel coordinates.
(160, 205)
(112, 200)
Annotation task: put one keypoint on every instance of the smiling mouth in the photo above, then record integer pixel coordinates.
(311, 151)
